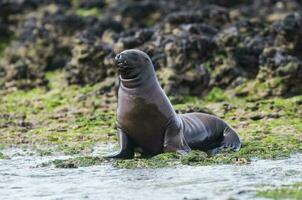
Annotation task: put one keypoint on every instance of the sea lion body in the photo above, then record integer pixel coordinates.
(207, 132)
(143, 116)
(146, 118)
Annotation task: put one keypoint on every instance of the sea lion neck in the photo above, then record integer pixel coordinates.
(143, 79)
(133, 82)
(138, 82)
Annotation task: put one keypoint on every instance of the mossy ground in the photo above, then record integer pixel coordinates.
(83, 161)
(88, 12)
(2, 155)
(69, 119)
(73, 119)
(293, 191)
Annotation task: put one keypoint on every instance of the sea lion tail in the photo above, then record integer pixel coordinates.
(231, 139)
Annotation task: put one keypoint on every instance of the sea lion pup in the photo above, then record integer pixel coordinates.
(147, 120)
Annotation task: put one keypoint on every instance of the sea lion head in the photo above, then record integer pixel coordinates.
(134, 64)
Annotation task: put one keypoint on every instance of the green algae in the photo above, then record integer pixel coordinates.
(73, 119)
(293, 191)
(84, 161)
(216, 95)
(269, 129)
(158, 161)
(193, 158)
(65, 118)
(256, 89)
(2, 155)
(88, 12)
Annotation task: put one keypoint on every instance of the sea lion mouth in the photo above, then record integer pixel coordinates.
(121, 60)
(124, 68)
(130, 79)
(123, 65)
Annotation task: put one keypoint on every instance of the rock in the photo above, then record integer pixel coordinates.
(3, 30)
(282, 72)
(134, 38)
(257, 116)
(140, 13)
(241, 43)
(44, 42)
(213, 15)
(88, 64)
(84, 161)
(91, 4)
(39, 46)
(194, 47)
(289, 30)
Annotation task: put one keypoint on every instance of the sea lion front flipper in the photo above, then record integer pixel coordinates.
(126, 147)
(174, 140)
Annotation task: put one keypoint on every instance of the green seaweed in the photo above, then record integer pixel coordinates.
(2, 155)
(74, 119)
(293, 191)
(158, 161)
(269, 129)
(88, 12)
(193, 158)
(85, 161)
(216, 95)
(68, 118)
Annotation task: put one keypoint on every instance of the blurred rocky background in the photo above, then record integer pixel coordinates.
(245, 47)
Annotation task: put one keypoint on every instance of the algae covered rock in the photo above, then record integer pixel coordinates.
(40, 45)
(92, 55)
(279, 65)
(140, 13)
(134, 38)
(194, 45)
(240, 44)
(177, 53)
(1, 156)
(88, 64)
(214, 15)
(84, 161)
(3, 30)
(194, 157)
(268, 54)
(184, 55)
(9, 7)
(288, 31)
(158, 161)
(43, 42)
(91, 4)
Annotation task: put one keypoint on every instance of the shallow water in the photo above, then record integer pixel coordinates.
(21, 179)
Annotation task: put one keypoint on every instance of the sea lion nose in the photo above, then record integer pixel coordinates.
(118, 57)
(121, 59)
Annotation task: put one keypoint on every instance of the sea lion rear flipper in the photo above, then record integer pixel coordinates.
(126, 147)
(174, 140)
(231, 139)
